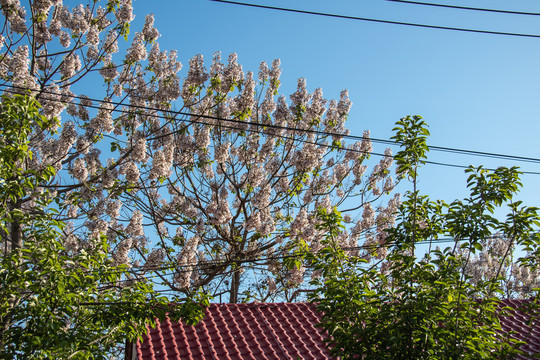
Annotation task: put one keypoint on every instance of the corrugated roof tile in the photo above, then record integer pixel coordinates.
(280, 331)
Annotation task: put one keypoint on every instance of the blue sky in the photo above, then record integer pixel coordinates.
(476, 91)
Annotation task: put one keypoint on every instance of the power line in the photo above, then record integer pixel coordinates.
(484, 154)
(279, 127)
(212, 264)
(467, 8)
(389, 142)
(380, 20)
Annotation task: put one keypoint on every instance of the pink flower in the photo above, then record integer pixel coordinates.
(125, 13)
(149, 32)
(137, 51)
(79, 170)
(135, 227)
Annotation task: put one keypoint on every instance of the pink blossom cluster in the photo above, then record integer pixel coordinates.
(495, 260)
(186, 261)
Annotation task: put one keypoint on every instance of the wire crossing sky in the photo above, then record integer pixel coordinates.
(11, 89)
(348, 17)
(467, 8)
(230, 124)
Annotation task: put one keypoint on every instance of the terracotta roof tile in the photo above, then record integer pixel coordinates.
(240, 331)
(275, 332)
(519, 321)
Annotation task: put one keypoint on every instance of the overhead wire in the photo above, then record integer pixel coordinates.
(467, 8)
(279, 127)
(490, 32)
(212, 264)
(208, 265)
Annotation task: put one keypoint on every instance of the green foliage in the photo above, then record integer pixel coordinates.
(427, 307)
(411, 135)
(56, 303)
(14, 151)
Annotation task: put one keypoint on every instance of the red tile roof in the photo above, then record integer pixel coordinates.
(274, 331)
(240, 331)
(519, 321)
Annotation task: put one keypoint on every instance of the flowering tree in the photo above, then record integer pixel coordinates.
(498, 258)
(194, 181)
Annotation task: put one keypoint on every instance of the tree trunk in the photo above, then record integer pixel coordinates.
(15, 231)
(235, 285)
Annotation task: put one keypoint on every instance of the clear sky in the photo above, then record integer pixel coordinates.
(476, 91)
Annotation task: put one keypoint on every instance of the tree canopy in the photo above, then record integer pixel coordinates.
(193, 177)
(429, 304)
